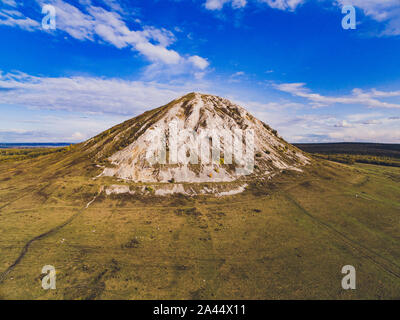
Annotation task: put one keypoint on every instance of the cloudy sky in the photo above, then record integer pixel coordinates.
(289, 62)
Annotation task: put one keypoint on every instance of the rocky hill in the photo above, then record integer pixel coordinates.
(197, 138)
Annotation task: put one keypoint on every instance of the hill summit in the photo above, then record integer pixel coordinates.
(198, 138)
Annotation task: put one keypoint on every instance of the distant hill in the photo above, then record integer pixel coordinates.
(373, 149)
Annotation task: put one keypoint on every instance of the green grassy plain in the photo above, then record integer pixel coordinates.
(284, 239)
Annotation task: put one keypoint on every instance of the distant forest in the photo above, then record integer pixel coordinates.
(372, 153)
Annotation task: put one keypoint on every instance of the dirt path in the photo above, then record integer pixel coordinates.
(43, 235)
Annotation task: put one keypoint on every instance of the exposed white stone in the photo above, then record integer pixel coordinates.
(202, 112)
(118, 189)
(240, 189)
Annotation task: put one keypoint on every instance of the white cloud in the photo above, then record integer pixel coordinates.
(14, 18)
(238, 74)
(100, 25)
(77, 136)
(343, 124)
(297, 122)
(114, 5)
(358, 96)
(109, 27)
(12, 13)
(71, 127)
(238, 3)
(385, 11)
(107, 102)
(199, 62)
(237, 77)
(158, 53)
(360, 117)
(103, 103)
(88, 94)
(10, 3)
(290, 5)
(218, 4)
(366, 134)
(215, 4)
(326, 128)
(383, 94)
(24, 23)
(378, 9)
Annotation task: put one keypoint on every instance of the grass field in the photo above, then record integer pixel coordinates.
(285, 239)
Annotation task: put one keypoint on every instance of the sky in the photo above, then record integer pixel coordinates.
(288, 62)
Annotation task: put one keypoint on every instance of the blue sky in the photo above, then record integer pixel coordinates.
(289, 62)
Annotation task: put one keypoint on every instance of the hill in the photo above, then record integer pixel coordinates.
(206, 139)
(285, 236)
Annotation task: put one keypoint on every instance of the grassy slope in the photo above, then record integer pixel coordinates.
(286, 239)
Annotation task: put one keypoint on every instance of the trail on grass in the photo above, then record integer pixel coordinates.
(374, 257)
(43, 235)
